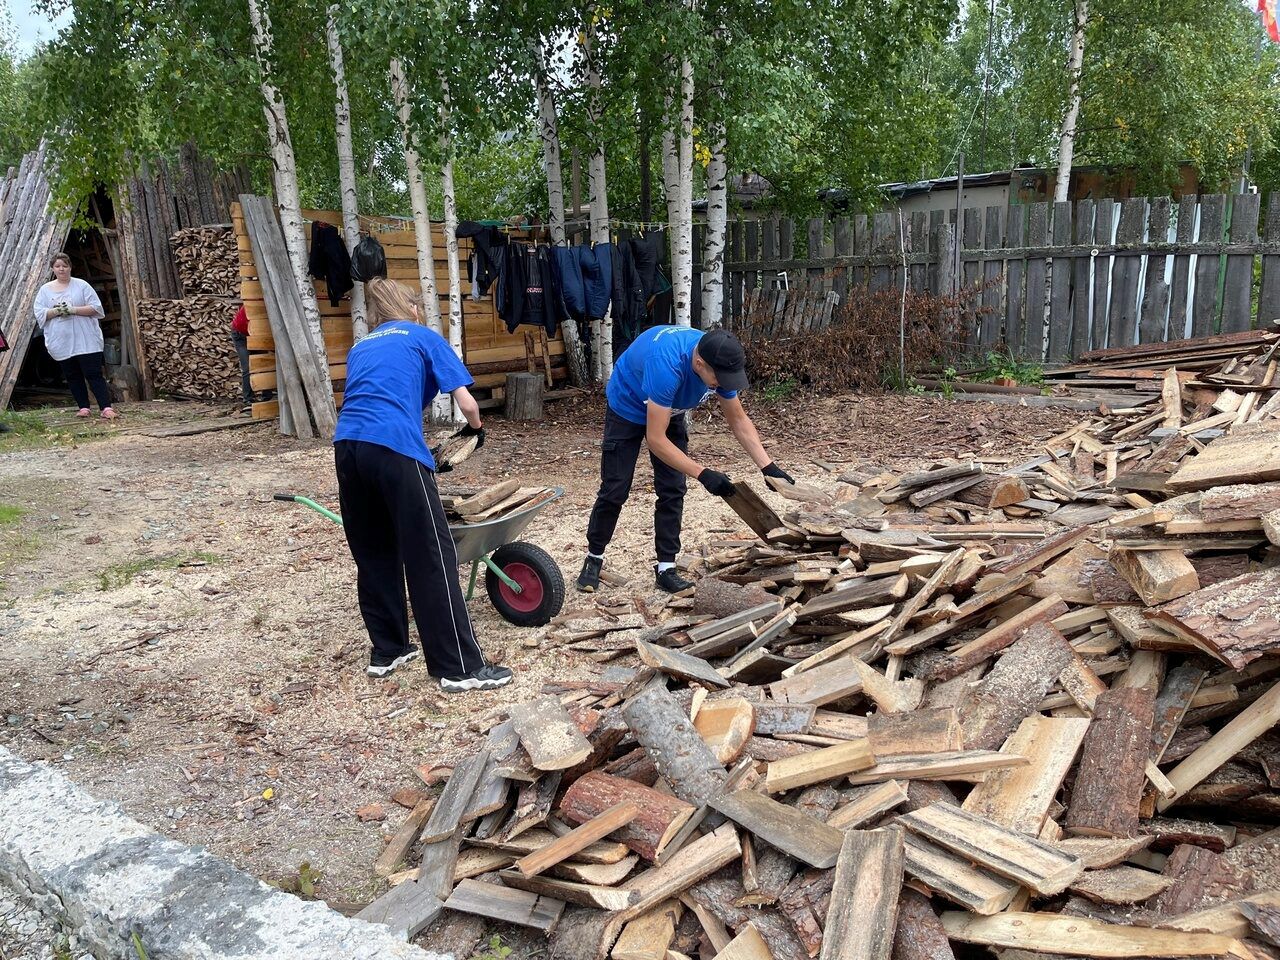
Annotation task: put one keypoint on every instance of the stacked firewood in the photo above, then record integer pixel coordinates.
(207, 261)
(188, 346)
(912, 710)
(491, 503)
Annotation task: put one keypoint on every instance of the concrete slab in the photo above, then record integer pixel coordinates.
(105, 876)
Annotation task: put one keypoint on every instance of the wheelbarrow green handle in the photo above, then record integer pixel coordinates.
(308, 502)
(475, 566)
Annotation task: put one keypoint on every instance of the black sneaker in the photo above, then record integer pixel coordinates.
(380, 666)
(589, 578)
(486, 678)
(670, 581)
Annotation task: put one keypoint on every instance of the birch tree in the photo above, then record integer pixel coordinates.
(288, 201)
(602, 327)
(346, 164)
(682, 266)
(451, 227)
(717, 225)
(1067, 139)
(417, 199)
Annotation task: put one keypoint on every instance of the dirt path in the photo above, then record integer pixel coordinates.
(176, 640)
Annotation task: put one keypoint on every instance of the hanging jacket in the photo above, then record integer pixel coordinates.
(572, 293)
(629, 305)
(528, 289)
(329, 260)
(489, 249)
(596, 263)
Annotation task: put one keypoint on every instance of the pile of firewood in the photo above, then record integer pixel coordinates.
(188, 346)
(1021, 706)
(207, 261)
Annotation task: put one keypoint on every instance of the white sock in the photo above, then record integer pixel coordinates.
(666, 566)
(595, 556)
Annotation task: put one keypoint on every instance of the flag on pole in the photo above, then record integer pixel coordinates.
(1268, 10)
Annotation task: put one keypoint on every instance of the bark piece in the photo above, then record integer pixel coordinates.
(1015, 686)
(1031, 862)
(1108, 789)
(919, 934)
(546, 731)
(792, 831)
(1249, 454)
(660, 818)
(1244, 501)
(1237, 620)
(1020, 797)
(864, 896)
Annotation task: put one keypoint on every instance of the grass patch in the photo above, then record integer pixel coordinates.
(1005, 366)
(122, 574)
(10, 514)
(775, 391)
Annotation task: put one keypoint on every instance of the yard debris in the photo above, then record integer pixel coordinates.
(1039, 692)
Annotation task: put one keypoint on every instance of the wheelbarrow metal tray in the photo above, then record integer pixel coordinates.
(476, 540)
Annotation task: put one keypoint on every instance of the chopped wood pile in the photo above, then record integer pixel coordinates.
(207, 261)
(1027, 709)
(188, 346)
(491, 503)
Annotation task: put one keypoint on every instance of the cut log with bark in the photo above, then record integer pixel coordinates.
(1107, 796)
(660, 819)
(919, 934)
(682, 757)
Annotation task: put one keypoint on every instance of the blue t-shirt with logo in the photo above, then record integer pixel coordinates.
(393, 374)
(658, 366)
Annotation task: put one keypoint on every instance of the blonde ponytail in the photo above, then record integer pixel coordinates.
(389, 300)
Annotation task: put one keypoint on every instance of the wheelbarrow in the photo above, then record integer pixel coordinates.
(523, 581)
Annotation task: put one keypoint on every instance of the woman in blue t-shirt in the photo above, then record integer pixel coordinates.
(391, 510)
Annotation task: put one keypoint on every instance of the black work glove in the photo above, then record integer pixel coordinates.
(717, 483)
(436, 453)
(773, 470)
(470, 431)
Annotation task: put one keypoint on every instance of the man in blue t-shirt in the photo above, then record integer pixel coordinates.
(666, 372)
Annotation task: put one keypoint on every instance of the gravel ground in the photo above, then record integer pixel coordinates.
(181, 643)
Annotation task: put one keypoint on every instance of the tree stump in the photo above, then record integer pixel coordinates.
(524, 396)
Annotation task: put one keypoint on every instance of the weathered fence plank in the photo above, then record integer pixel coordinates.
(1269, 297)
(1037, 272)
(992, 272)
(884, 239)
(1237, 289)
(1081, 326)
(1060, 287)
(862, 247)
(1103, 218)
(1155, 295)
(1179, 311)
(1204, 316)
(751, 248)
(735, 251)
(936, 219)
(919, 236)
(1127, 272)
(1013, 237)
(971, 272)
(769, 252)
(842, 240)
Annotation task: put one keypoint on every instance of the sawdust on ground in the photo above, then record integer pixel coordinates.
(177, 641)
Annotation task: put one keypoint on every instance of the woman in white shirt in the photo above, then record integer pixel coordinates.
(69, 313)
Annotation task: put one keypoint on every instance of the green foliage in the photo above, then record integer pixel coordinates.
(10, 514)
(122, 574)
(948, 380)
(138, 947)
(497, 950)
(779, 390)
(1005, 366)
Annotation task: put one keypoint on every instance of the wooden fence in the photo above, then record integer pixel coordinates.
(1043, 280)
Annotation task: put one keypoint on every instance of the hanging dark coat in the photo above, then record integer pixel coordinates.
(329, 260)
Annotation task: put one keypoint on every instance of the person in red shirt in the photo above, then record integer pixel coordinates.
(240, 337)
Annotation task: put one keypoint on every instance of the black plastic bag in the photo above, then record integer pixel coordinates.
(368, 260)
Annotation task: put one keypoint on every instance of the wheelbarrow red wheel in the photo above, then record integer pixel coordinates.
(541, 585)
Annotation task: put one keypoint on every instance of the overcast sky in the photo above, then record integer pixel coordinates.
(31, 27)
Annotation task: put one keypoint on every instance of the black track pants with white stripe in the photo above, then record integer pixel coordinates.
(398, 534)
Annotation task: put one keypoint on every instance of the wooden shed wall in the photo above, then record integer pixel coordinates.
(488, 350)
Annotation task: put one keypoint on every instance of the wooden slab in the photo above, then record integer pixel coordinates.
(550, 736)
(863, 915)
(915, 732)
(455, 799)
(868, 804)
(1108, 790)
(1031, 862)
(995, 639)
(1156, 575)
(1020, 797)
(680, 664)
(819, 765)
(822, 685)
(792, 831)
(955, 878)
(1058, 933)
(583, 894)
(1121, 884)
(964, 765)
(753, 511)
(1097, 853)
(496, 902)
(403, 839)
(1249, 454)
(597, 828)
(1237, 620)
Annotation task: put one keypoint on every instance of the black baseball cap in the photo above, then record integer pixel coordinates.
(723, 352)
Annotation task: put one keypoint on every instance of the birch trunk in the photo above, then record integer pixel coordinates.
(602, 328)
(451, 229)
(288, 201)
(683, 267)
(1067, 140)
(717, 225)
(418, 200)
(346, 166)
(671, 184)
(549, 134)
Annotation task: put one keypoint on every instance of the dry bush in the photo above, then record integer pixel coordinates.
(859, 351)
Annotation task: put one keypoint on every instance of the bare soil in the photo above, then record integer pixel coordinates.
(177, 641)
